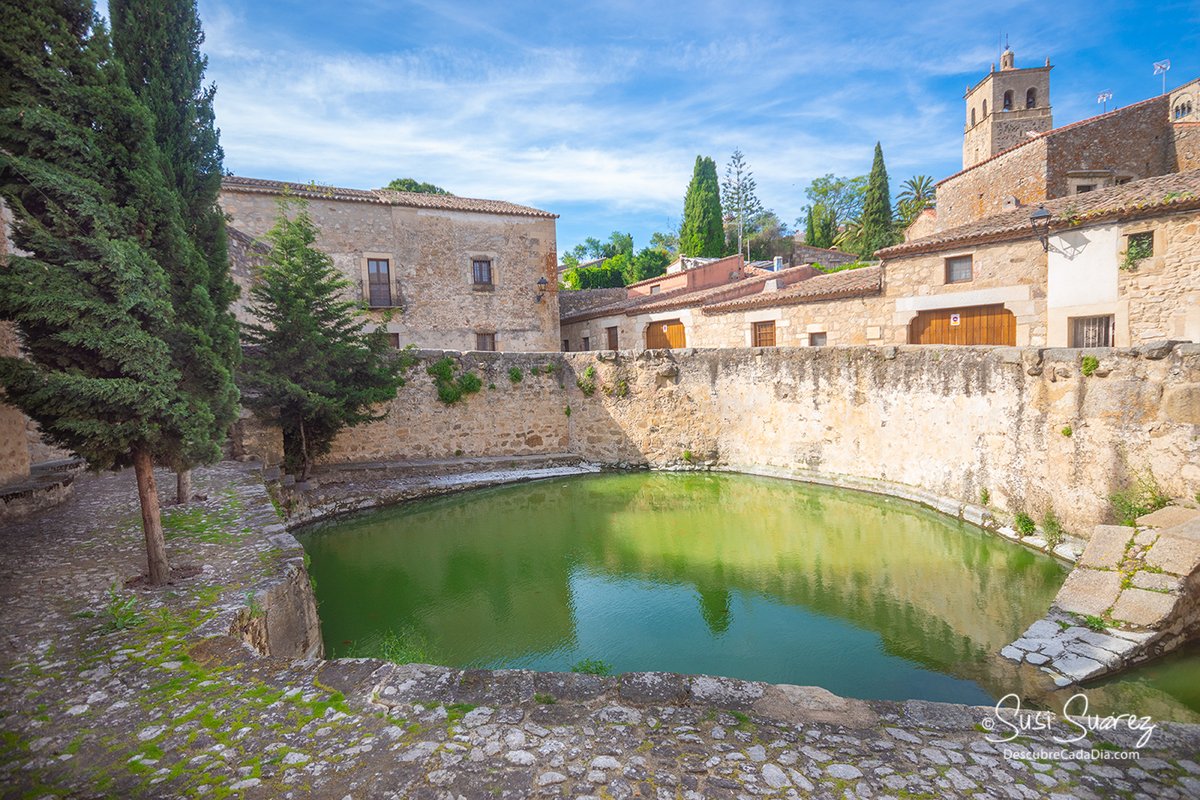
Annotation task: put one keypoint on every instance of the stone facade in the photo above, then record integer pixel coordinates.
(1009, 273)
(1004, 107)
(987, 187)
(435, 301)
(935, 424)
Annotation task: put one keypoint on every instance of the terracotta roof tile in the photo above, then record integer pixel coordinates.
(847, 283)
(234, 183)
(1149, 196)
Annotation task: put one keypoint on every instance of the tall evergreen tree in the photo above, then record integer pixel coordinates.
(92, 307)
(311, 364)
(877, 227)
(158, 45)
(810, 228)
(702, 232)
(739, 194)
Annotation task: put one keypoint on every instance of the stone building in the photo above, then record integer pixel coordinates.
(1012, 156)
(435, 270)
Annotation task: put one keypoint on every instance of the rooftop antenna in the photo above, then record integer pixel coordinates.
(1104, 97)
(1160, 68)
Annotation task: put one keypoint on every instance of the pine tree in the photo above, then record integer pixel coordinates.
(739, 194)
(92, 307)
(702, 232)
(311, 364)
(876, 224)
(158, 45)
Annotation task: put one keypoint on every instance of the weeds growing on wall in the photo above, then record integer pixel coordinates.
(587, 381)
(1053, 529)
(1067, 431)
(1143, 496)
(515, 375)
(592, 666)
(985, 497)
(1088, 365)
(452, 388)
(1024, 524)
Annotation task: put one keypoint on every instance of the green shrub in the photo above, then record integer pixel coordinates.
(1053, 529)
(985, 497)
(451, 389)
(567, 410)
(1024, 524)
(515, 375)
(687, 456)
(1144, 496)
(1088, 365)
(1066, 431)
(592, 666)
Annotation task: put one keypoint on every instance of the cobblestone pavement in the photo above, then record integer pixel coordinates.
(95, 704)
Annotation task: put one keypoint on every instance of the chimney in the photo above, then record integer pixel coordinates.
(778, 265)
(771, 285)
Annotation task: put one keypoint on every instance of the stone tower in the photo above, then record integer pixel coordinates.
(1004, 107)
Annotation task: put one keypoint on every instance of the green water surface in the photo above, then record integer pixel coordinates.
(733, 575)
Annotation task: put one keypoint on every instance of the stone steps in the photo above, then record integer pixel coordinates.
(1134, 595)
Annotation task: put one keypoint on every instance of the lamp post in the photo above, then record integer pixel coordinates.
(542, 283)
(1039, 220)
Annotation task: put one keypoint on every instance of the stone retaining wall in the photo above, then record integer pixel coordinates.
(1024, 424)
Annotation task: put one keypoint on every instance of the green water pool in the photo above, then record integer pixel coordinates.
(734, 575)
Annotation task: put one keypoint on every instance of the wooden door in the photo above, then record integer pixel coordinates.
(612, 338)
(666, 334)
(972, 325)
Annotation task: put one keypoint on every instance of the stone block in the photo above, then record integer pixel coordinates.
(1088, 591)
(1174, 554)
(664, 688)
(1157, 581)
(1182, 403)
(1142, 607)
(1106, 548)
(1079, 668)
(1185, 530)
(809, 704)
(1167, 517)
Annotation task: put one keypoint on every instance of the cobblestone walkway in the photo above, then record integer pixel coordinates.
(168, 706)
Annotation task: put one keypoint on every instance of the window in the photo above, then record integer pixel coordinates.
(587, 343)
(984, 108)
(1141, 245)
(566, 345)
(485, 341)
(818, 339)
(1085, 187)
(1092, 331)
(972, 118)
(764, 334)
(959, 269)
(612, 338)
(1183, 108)
(394, 340)
(655, 289)
(379, 283)
(481, 271)
(1031, 98)
(1008, 100)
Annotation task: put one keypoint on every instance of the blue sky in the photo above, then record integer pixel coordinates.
(596, 111)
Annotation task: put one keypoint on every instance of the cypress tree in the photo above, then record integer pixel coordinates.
(877, 226)
(311, 365)
(91, 305)
(158, 45)
(810, 229)
(702, 232)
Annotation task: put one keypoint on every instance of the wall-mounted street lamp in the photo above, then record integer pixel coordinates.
(541, 289)
(1040, 221)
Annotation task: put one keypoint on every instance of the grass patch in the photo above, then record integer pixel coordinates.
(1053, 529)
(401, 646)
(1024, 524)
(544, 699)
(201, 524)
(1088, 365)
(515, 375)
(120, 613)
(592, 666)
(1095, 623)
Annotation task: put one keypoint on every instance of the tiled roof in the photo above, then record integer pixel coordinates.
(1052, 132)
(621, 306)
(847, 283)
(234, 183)
(696, 263)
(1147, 197)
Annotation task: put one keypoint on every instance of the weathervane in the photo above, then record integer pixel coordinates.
(1104, 97)
(1160, 68)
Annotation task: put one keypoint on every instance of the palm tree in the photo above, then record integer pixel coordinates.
(917, 189)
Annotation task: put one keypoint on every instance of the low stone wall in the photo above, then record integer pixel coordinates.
(1024, 425)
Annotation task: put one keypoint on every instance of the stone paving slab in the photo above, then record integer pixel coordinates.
(1177, 555)
(175, 706)
(1143, 608)
(1106, 548)
(1168, 517)
(1089, 591)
